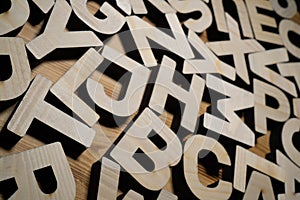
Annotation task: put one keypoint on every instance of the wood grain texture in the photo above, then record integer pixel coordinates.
(54, 70)
(258, 20)
(66, 86)
(111, 24)
(280, 113)
(236, 47)
(15, 17)
(220, 17)
(19, 80)
(165, 86)
(137, 137)
(209, 62)
(197, 25)
(191, 149)
(239, 100)
(55, 36)
(28, 162)
(33, 107)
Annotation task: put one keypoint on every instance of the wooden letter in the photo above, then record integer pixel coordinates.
(190, 6)
(291, 127)
(165, 86)
(258, 62)
(137, 6)
(162, 6)
(15, 17)
(258, 20)
(239, 99)
(111, 24)
(44, 5)
(20, 78)
(285, 27)
(65, 87)
(165, 195)
(259, 183)
(109, 180)
(190, 160)
(209, 63)
(262, 111)
(246, 158)
(292, 173)
(54, 35)
(33, 106)
(137, 137)
(23, 167)
(290, 69)
(135, 90)
(242, 12)
(286, 12)
(132, 195)
(142, 31)
(296, 105)
(236, 47)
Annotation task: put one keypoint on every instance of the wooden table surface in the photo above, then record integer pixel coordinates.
(81, 167)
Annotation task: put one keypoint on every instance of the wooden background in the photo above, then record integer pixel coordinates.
(81, 167)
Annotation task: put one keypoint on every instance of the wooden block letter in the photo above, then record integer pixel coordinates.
(25, 167)
(258, 20)
(236, 47)
(20, 78)
(296, 105)
(291, 69)
(15, 17)
(291, 127)
(137, 6)
(239, 99)
(45, 6)
(55, 36)
(210, 63)
(285, 27)
(246, 158)
(111, 24)
(137, 137)
(33, 106)
(259, 183)
(258, 62)
(190, 161)
(292, 173)
(109, 180)
(142, 31)
(288, 11)
(243, 16)
(135, 90)
(65, 87)
(132, 195)
(165, 86)
(165, 195)
(198, 25)
(262, 111)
